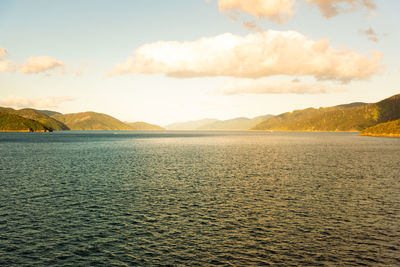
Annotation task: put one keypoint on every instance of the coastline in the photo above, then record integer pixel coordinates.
(306, 131)
(380, 135)
(23, 131)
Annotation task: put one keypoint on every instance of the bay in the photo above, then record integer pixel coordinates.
(199, 198)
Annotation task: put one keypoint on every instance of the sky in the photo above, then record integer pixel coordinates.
(166, 61)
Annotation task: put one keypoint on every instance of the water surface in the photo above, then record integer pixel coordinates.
(199, 198)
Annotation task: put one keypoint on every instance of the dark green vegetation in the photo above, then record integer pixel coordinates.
(32, 114)
(48, 112)
(13, 123)
(389, 129)
(144, 126)
(28, 120)
(91, 121)
(350, 117)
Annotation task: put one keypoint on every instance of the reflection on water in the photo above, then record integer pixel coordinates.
(199, 198)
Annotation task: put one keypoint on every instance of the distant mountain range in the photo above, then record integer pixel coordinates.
(350, 117)
(377, 119)
(238, 124)
(144, 126)
(190, 125)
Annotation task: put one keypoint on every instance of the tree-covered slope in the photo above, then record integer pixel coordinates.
(48, 112)
(390, 129)
(32, 114)
(91, 121)
(144, 126)
(339, 118)
(13, 123)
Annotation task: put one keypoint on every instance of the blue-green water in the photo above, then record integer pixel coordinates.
(239, 198)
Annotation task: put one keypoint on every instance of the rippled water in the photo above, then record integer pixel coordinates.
(242, 198)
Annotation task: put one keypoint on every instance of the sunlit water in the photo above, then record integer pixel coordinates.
(242, 198)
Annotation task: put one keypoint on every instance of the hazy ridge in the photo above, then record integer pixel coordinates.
(238, 124)
(241, 124)
(144, 126)
(190, 125)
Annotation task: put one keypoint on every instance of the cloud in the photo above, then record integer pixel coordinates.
(266, 86)
(371, 34)
(42, 102)
(281, 11)
(331, 8)
(32, 65)
(3, 52)
(251, 26)
(4, 65)
(278, 11)
(256, 55)
(40, 64)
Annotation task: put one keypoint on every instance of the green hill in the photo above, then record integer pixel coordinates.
(13, 123)
(91, 121)
(46, 121)
(48, 112)
(350, 117)
(241, 123)
(389, 129)
(144, 126)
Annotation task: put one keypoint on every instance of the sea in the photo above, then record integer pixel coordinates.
(199, 199)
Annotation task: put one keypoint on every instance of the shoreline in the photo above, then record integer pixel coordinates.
(23, 131)
(380, 135)
(306, 131)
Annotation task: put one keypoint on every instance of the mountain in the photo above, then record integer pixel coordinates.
(350, 117)
(46, 121)
(91, 121)
(48, 112)
(389, 129)
(241, 123)
(144, 126)
(190, 125)
(13, 123)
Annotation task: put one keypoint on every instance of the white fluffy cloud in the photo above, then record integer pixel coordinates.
(4, 65)
(41, 102)
(266, 86)
(331, 8)
(256, 55)
(40, 64)
(278, 11)
(32, 65)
